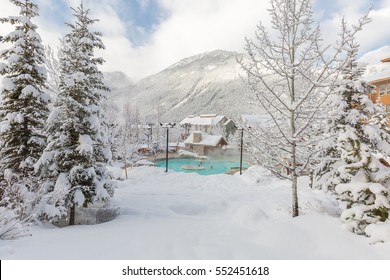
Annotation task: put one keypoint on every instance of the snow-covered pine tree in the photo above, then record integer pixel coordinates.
(381, 118)
(290, 75)
(73, 165)
(23, 107)
(361, 136)
(341, 109)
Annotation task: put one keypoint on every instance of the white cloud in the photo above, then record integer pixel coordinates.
(192, 27)
(197, 26)
(7, 9)
(373, 34)
(376, 34)
(203, 25)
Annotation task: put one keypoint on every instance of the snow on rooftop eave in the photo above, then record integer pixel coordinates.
(227, 122)
(379, 77)
(205, 119)
(385, 60)
(207, 140)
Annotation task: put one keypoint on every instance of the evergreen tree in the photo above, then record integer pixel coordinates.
(351, 166)
(73, 164)
(23, 107)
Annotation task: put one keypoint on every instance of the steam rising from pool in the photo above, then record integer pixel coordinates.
(201, 167)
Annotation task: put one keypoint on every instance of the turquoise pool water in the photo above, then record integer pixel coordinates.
(209, 167)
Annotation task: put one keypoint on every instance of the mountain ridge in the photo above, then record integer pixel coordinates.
(201, 84)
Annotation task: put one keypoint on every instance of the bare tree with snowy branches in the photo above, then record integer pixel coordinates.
(290, 76)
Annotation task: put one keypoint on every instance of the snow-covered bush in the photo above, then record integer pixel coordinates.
(10, 225)
(379, 232)
(366, 203)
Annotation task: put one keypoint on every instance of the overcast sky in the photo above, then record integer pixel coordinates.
(143, 37)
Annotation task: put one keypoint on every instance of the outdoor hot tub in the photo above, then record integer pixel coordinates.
(208, 167)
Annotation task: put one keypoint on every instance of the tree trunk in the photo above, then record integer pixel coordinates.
(311, 176)
(294, 179)
(72, 216)
(295, 211)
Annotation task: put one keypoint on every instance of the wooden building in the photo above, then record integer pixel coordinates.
(204, 144)
(382, 83)
(212, 124)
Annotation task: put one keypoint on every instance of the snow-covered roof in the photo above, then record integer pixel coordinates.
(207, 140)
(386, 60)
(209, 119)
(376, 72)
(228, 121)
(379, 76)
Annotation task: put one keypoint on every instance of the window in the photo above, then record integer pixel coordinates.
(388, 109)
(382, 89)
(388, 89)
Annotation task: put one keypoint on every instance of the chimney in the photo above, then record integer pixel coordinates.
(197, 137)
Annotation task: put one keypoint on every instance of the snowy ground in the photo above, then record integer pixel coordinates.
(188, 216)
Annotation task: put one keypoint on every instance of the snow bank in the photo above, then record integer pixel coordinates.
(257, 175)
(116, 172)
(176, 215)
(187, 154)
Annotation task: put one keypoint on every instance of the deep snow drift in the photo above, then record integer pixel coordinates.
(189, 216)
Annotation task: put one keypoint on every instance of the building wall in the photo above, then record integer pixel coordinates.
(198, 149)
(382, 92)
(230, 129)
(217, 129)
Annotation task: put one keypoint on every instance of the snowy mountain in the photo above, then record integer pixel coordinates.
(117, 80)
(205, 83)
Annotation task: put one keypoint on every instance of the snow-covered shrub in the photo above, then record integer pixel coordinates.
(366, 203)
(10, 225)
(51, 200)
(17, 194)
(379, 232)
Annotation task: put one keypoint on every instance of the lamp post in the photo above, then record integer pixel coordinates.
(150, 134)
(242, 146)
(167, 126)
